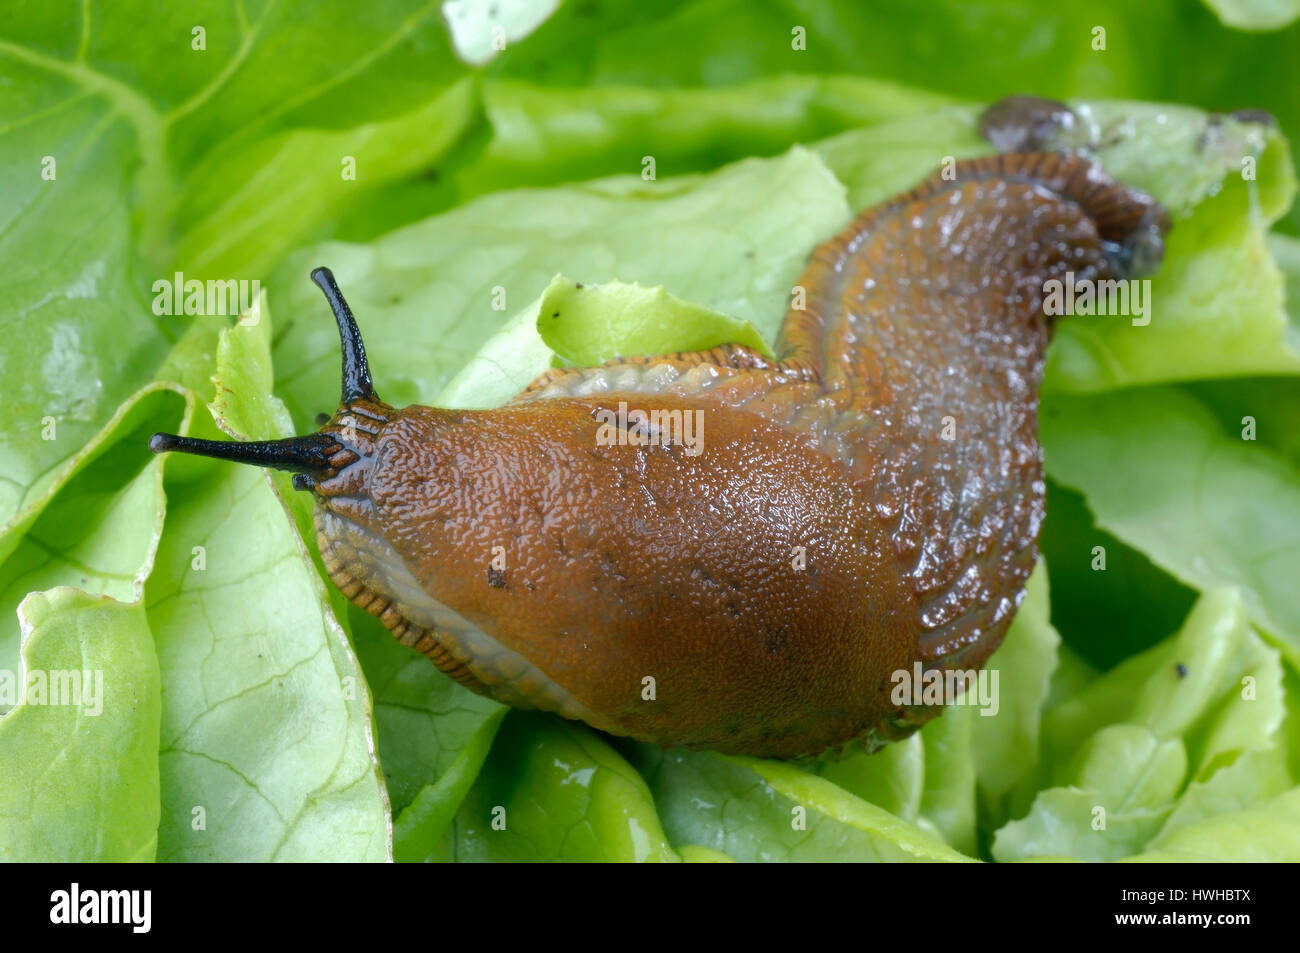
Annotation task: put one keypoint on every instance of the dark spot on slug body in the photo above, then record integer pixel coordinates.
(776, 640)
(925, 307)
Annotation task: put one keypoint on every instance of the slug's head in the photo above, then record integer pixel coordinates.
(333, 457)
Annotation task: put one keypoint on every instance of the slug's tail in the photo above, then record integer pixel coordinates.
(1130, 223)
(926, 325)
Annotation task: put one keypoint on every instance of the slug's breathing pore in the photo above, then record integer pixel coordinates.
(869, 501)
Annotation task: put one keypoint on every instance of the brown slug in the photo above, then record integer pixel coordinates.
(870, 499)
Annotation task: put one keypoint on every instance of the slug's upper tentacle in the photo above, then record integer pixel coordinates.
(356, 369)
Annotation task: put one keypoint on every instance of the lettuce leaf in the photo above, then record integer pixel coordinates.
(555, 791)
(430, 295)
(1210, 508)
(81, 772)
(1183, 731)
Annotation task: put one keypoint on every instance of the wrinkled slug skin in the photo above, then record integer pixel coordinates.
(867, 501)
(629, 562)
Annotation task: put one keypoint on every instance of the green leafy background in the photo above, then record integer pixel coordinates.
(250, 713)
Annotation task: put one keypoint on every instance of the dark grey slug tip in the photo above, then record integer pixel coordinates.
(1025, 123)
(1144, 248)
(1259, 116)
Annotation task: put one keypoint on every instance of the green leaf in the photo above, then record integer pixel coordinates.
(426, 295)
(754, 810)
(892, 779)
(877, 162)
(1168, 738)
(98, 530)
(948, 801)
(1291, 721)
(1267, 831)
(427, 724)
(79, 339)
(1216, 648)
(1216, 302)
(546, 136)
(81, 769)
(1269, 405)
(838, 805)
(553, 790)
(1067, 51)
(240, 225)
(419, 828)
(1254, 776)
(695, 854)
(1005, 746)
(1122, 793)
(127, 153)
(587, 324)
(506, 363)
(1109, 602)
(1158, 472)
(945, 44)
(1286, 251)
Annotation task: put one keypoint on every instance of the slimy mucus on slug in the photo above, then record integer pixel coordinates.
(625, 562)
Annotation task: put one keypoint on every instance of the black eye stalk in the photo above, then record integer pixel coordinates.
(308, 456)
(356, 370)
